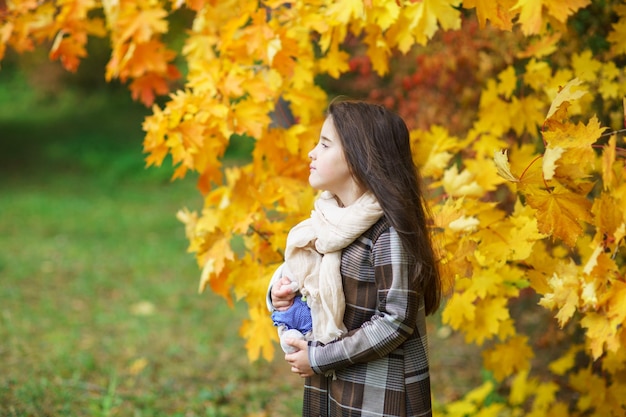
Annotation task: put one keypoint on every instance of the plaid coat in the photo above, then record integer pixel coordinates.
(380, 367)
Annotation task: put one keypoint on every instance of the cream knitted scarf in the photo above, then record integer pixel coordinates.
(313, 257)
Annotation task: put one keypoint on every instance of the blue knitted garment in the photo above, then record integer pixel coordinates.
(298, 316)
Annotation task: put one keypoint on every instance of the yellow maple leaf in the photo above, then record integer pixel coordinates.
(600, 332)
(446, 12)
(545, 395)
(617, 35)
(255, 330)
(493, 248)
(531, 12)
(543, 268)
(616, 299)
(486, 282)
(343, 11)
(479, 394)
(586, 68)
(522, 387)
(221, 252)
(419, 21)
(251, 118)
(566, 362)
(502, 165)
(459, 310)
(508, 357)
(464, 223)
(460, 408)
(232, 84)
(572, 136)
(562, 10)
(399, 35)
(507, 82)
(335, 62)
(485, 173)
(567, 93)
(497, 12)
(523, 160)
(524, 232)
(589, 384)
(377, 49)
(526, 114)
(615, 362)
(559, 212)
(438, 148)
(537, 48)
(550, 156)
(449, 211)
(608, 159)
(385, 14)
(461, 184)
(248, 276)
(608, 215)
(530, 15)
(537, 74)
(563, 295)
(610, 85)
(490, 121)
(493, 312)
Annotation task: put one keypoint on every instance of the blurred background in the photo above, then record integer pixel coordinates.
(99, 310)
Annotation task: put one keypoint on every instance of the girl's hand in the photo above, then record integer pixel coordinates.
(299, 360)
(282, 294)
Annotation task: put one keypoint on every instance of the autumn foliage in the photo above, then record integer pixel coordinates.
(517, 111)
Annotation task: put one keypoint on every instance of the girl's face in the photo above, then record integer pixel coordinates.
(329, 170)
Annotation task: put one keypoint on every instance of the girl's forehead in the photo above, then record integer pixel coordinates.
(328, 128)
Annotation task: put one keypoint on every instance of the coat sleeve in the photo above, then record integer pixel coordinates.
(393, 320)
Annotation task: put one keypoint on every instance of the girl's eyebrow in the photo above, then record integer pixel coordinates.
(325, 138)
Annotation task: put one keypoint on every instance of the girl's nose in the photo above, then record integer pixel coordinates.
(311, 153)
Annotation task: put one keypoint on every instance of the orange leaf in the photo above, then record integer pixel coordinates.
(559, 212)
(543, 46)
(142, 26)
(145, 87)
(69, 49)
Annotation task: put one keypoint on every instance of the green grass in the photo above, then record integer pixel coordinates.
(96, 284)
(99, 310)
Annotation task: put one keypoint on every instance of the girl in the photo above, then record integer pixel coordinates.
(369, 229)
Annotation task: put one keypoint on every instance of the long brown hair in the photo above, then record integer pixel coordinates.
(377, 148)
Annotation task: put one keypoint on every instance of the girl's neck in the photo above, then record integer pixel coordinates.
(348, 198)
